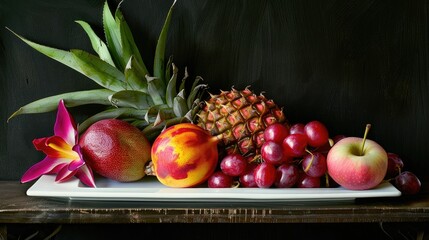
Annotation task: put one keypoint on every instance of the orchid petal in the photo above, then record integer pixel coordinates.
(57, 168)
(65, 126)
(62, 149)
(43, 167)
(55, 147)
(40, 143)
(64, 174)
(75, 164)
(85, 175)
(79, 162)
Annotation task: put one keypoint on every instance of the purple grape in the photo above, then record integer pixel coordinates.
(407, 183)
(294, 145)
(297, 128)
(233, 164)
(394, 165)
(272, 152)
(286, 175)
(265, 175)
(247, 179)
(276, 132)
(314, 165)
(220, 180)
(305, 181)
(317, 133)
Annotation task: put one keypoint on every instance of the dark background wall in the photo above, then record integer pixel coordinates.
(345, 63)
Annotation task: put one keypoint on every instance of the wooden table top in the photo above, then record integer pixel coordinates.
(17, 207)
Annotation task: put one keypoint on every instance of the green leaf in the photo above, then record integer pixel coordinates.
(140, 124)
(113, 37)
(195, 93)
(180, 107)
(196, 89)
(98, 70)
(158, 65)
(151, 131)
(183, 83)
(97, 44)
(171, 91)
(167, 113)
(197, 80)
(188, 116)
(168, 67)
(64, 57)
(112, 113)
(155, 90)
(71, 99)
(163, 110)
(131, 98)
(127, 40)
(163, 115)
(135, 76)
(89, 65)
(195, 110)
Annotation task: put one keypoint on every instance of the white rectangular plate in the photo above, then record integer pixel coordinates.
(150, 189)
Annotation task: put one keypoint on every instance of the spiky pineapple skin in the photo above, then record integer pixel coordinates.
(240, 117)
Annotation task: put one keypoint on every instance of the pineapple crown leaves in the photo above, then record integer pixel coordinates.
(128, 89)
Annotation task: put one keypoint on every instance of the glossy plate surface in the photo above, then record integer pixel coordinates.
(150, 189)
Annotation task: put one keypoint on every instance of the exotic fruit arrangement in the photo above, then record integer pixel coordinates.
(152, 125)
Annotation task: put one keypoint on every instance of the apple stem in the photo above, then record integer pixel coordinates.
(368, 126)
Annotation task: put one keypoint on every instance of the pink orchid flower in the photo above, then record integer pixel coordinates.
(63, 154)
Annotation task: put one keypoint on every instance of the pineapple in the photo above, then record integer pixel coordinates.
(129, 91)
(239, 118)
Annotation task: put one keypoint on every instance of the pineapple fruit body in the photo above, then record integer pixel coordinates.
(239, 117)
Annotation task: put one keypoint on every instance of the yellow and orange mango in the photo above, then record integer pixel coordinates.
(184, 155)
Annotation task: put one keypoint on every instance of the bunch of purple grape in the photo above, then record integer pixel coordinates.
(405, 181)
(296, 157)
(290, 157)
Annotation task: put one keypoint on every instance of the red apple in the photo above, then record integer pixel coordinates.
(357, 163)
